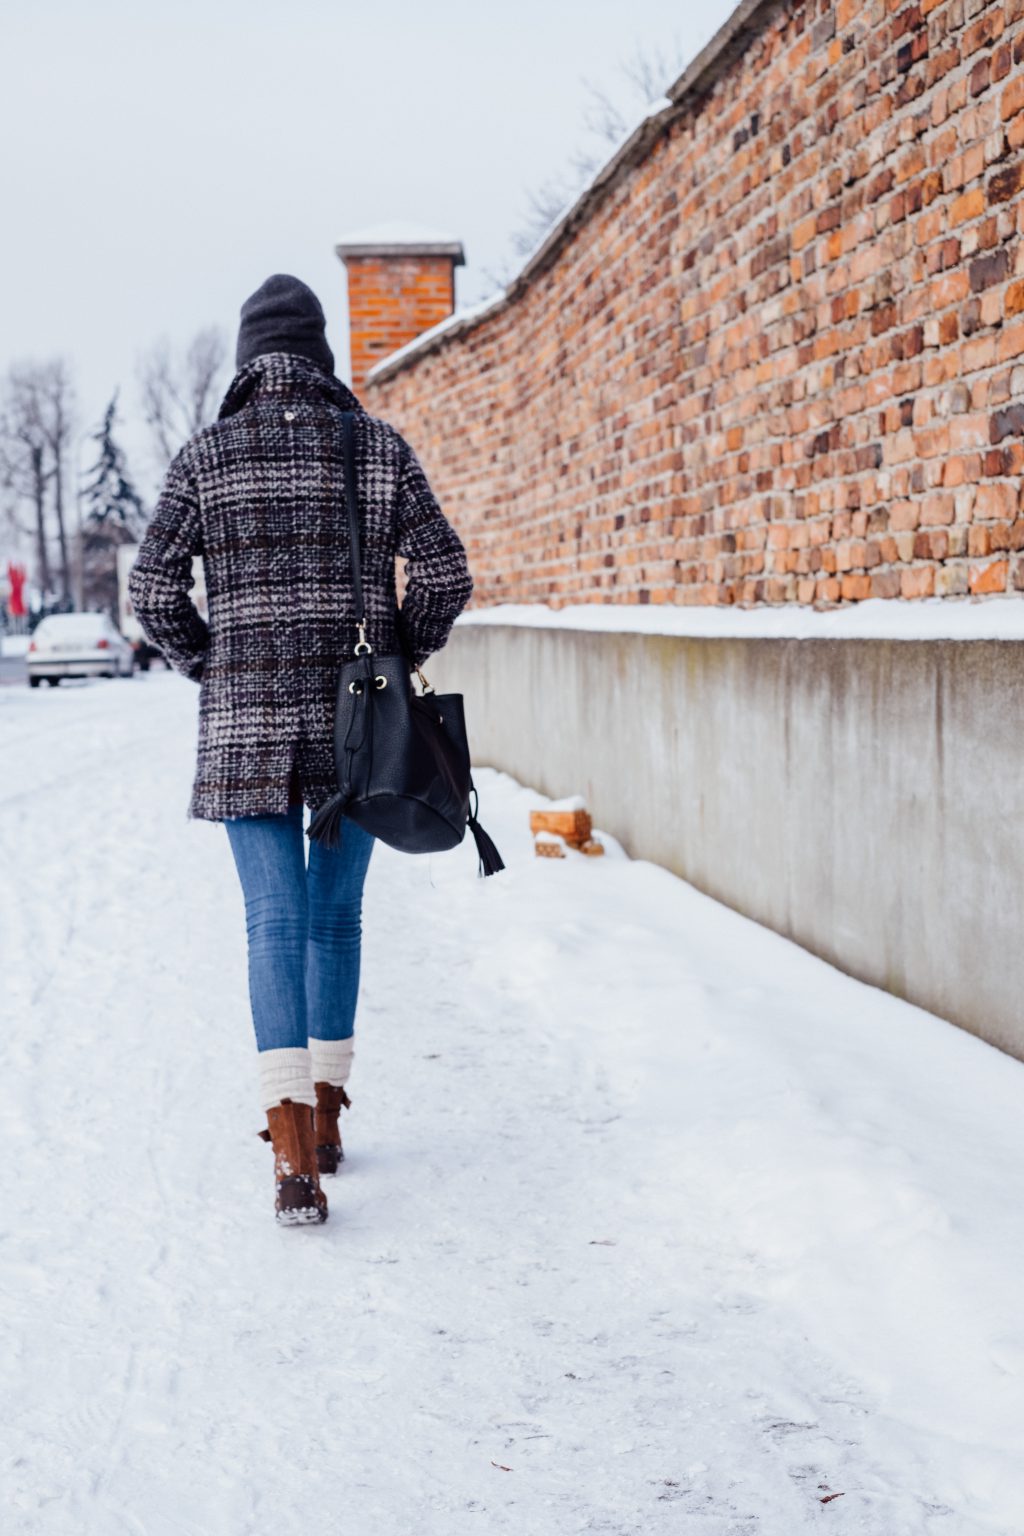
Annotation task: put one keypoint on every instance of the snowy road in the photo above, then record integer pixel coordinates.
(651, 1223)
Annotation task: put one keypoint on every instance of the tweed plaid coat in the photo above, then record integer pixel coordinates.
(260, 495)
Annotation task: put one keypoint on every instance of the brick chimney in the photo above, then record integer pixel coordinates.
(401, 281)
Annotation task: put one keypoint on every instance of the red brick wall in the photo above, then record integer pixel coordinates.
(782, 360)
(391, 299)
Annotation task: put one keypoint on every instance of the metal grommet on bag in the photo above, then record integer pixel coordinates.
(355, 687)
(381, 680)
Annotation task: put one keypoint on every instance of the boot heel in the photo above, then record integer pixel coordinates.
(330, 1101)
(328, 1158)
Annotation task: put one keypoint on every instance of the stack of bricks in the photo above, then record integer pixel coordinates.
(780, 357)
(554, 830)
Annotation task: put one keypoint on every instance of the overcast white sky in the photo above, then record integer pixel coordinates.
(159, 160)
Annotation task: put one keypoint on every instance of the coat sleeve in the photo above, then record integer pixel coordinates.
(439, 584)
(161, 577)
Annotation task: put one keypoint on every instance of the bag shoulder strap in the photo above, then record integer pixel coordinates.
(348, 443)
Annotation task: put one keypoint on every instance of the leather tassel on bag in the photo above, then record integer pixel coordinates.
(490, 859)
(325, 826)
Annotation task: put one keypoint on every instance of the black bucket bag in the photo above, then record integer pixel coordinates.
(401, 757)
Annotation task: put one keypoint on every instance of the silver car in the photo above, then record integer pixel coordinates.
(77, 645)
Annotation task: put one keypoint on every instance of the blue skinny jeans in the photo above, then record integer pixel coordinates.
(304, 927)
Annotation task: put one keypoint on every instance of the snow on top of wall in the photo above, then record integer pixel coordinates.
(993, 618)
(652, 110)
(716, 54)
(648, 122)
(454, 322)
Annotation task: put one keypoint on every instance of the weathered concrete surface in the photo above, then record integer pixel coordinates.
(862, 797)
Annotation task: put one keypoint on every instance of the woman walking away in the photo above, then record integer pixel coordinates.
(260, 495)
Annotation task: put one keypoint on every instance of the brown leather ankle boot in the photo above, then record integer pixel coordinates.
(329, 1101)
(300, 1200)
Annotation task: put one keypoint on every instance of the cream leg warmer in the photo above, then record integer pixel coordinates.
(285, 1074)
(331, 1060)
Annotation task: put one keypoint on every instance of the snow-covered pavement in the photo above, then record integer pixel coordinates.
(651, 1223)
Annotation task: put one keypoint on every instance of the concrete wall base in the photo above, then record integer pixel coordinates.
(861, 797)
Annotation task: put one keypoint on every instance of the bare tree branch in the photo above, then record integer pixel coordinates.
(545, 204)
(11, 490)
(57, 401)
(607, 119)
(25, 454)
(650, 70)
(181, 395)
(602, 117)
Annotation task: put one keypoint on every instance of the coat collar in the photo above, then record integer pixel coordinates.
(285, 373)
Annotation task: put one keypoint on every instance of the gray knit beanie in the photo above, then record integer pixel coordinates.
(283, 315)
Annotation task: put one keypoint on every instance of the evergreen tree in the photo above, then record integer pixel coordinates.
(112, 514)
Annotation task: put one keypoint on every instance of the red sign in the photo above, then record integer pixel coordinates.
(16, 601)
